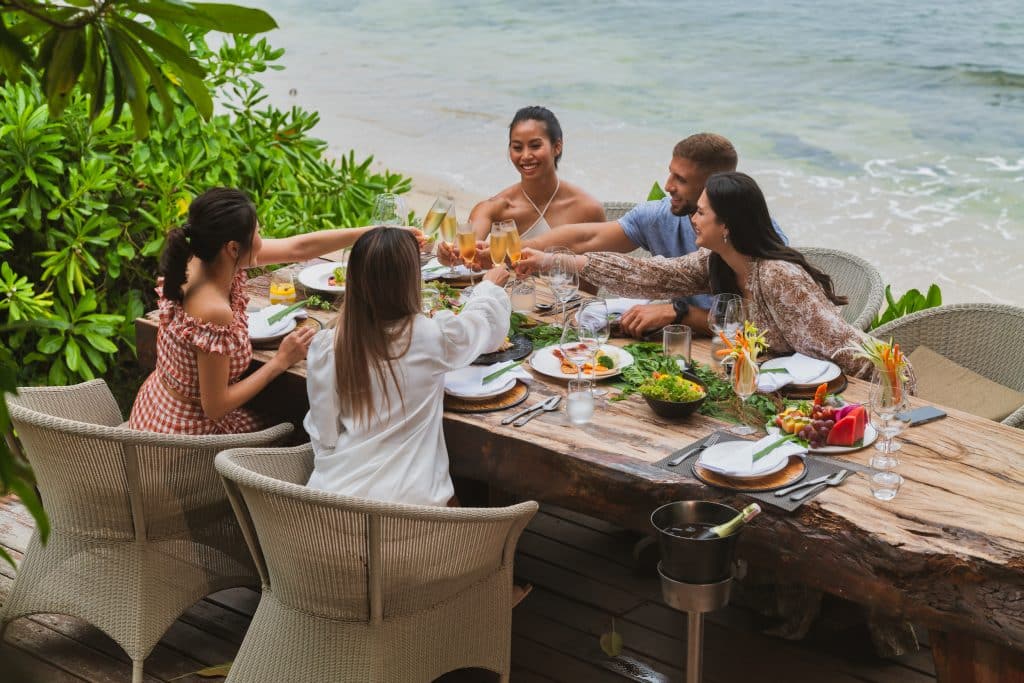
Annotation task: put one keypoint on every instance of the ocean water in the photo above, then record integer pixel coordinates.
(892, 131)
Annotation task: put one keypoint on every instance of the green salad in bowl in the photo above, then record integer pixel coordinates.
(673, 395)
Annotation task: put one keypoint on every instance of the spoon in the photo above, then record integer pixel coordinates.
(835, 480)
(547, 407)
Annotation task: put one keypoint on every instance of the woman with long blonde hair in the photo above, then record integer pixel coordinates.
(376, 383)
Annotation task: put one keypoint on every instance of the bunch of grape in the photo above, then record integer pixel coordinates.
(822, 421)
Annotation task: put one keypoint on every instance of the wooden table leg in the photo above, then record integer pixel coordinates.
(961, 658)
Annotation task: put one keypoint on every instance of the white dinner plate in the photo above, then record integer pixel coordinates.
(435, 270)
(500, 386)
(315, 277)
(870, 434)
(292, 324)
(545, 362)
(768, 464)
(830, 374)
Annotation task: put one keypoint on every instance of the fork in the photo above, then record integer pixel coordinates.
(711, 441)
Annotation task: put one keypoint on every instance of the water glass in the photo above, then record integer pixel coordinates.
(389, 209)
(282, 287)
(523, 295)
(885, 485)
(579, 404)
(675, 343)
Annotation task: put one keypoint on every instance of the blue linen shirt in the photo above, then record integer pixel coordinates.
(652, 226)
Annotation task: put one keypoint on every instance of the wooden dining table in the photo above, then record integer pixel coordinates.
(946, 553)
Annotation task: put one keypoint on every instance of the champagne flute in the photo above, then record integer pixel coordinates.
(389, 209)
(562, 276)
(498, 242)
(594, 315)
(513, 247)
(466, 239)
(449, 230)
(435, 216)
(726, 314)
(744, 383)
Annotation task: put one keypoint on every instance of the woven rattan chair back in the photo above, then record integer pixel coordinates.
(854, 278)
(377, 567)
(152, 502)
(975, 336)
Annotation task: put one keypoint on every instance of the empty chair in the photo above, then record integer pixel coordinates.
(854, 278)
(140, 525)
(361, 590)
(983, 338)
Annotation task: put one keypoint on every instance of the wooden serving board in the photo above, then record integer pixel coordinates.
(513, 397)
(793, 472)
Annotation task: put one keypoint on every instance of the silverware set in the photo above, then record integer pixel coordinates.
(710, 441)
(523, 416)
(809, 488)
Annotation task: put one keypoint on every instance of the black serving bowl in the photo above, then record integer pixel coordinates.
(678, 408)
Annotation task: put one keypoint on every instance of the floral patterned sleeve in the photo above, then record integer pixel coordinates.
(810, 322)
(650, 278)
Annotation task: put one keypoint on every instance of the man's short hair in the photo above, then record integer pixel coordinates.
(713, 153)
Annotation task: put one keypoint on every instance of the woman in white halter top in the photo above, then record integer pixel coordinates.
(540, 201)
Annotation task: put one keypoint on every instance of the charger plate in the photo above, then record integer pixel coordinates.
(793, 472)
(513, 397)
(836, 386)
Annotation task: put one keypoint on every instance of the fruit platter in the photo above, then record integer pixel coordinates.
(826, 425)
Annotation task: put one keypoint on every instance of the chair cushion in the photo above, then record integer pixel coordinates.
(941, 380)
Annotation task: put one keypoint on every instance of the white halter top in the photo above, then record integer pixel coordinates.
(540, 226)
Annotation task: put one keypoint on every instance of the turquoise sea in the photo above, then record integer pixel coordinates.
(893, 130)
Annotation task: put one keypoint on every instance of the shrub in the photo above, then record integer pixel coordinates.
(84, 206)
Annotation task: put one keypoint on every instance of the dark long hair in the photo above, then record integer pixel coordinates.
(551, 125)
(216, 217)
(740, 205)
(382, 298)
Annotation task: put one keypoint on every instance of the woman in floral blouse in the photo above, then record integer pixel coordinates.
(793, 302)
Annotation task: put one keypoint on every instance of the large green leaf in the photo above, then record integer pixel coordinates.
(163, 47)
(656, 193)
(212, 16)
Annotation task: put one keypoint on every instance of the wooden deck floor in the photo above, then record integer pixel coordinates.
(582, 572)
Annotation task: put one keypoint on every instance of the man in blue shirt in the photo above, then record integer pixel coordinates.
(662, 227)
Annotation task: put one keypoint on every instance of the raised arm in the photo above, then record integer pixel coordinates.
(480, 327)
(583, 238)
(313, 244)
(486, 212)
(649, 277)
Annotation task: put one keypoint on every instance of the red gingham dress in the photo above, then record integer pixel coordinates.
(156, 409)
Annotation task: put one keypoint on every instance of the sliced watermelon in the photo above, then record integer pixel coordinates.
(849, 430)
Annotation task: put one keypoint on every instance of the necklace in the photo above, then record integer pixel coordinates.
(558, 184)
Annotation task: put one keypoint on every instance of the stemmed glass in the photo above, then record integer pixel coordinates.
(498, 242)
(435, 216)
(726, 314)
(562, 276)
(466, 238)
(744, 383)
(889, 407)
(513, 248)
(578, 344)
(389, 209)
(449, 230)
(594, 315)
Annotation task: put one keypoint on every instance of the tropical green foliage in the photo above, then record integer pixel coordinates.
(84, 205)
(120, 52)
(656, 193)
(911, 302)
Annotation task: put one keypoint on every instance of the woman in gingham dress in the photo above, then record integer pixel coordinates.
(203, 345)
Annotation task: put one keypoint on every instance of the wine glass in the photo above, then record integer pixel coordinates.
(435, 216)
(744, 383)
(562, 276)
(594, 315)
(889, 407)
(726, 314)
(389, 209)
(578, 344)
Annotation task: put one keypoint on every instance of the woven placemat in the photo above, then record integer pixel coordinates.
(513, 397)
(816, 467)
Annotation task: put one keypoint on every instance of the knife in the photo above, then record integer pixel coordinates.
(524, 411)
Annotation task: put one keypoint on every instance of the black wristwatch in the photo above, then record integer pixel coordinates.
(681, 307)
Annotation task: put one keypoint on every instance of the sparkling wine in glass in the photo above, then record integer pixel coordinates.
(435, 216)
(512, 245)
(498, 243)
(465, 239)
(449, 231)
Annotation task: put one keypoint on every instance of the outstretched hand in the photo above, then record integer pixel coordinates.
(639, 320)
(498, 275)
(530, 262)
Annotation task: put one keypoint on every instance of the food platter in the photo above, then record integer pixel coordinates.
(870, 435)
(316, 277)
(546, 362)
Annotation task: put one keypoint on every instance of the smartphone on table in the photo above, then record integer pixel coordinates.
(924, 414)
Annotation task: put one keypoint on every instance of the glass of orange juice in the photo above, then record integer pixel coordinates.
(282, 287)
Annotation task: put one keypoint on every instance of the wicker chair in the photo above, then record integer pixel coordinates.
(854, 278)
(140, 525)
(361, 590)
(613, 211)
(976, 336)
